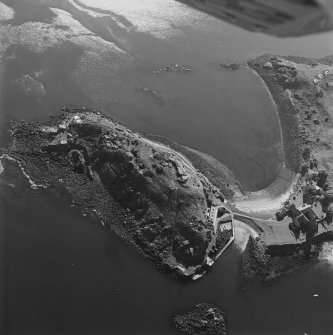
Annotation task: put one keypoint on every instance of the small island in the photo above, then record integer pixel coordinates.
(203, 319)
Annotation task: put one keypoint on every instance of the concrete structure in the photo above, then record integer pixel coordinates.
(227, 217)
(275, 233)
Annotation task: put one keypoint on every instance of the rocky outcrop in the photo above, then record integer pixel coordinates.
(149, 193)
(203, 319)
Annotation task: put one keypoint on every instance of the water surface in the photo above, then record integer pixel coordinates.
(226, 114)
(64, 274)
(68, 275)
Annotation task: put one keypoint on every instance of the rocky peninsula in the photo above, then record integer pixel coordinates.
(144, 190)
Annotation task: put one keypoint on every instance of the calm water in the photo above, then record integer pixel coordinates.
(226, 114)
(66, 274)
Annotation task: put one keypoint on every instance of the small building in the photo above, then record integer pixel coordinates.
(209, 261)
(306, 220)
(185, 178)
(308, 212)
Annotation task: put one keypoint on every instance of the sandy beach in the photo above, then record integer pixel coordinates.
(266, 201)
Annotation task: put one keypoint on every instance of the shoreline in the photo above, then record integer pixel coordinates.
(303, 99)
(110, 154)
(32, 184)
(271, 198)
(263, 203)
(266, 200)
(269, 92)
(216, 172)
(287, 114)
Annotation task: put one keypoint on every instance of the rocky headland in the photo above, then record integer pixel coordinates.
(146, 191)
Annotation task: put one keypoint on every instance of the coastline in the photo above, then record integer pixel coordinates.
(44, 151)
(265, 201)
(216, 172)
(303, 99)
(270, 94)
(97, 140)
(271, 198)
(286, 112)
